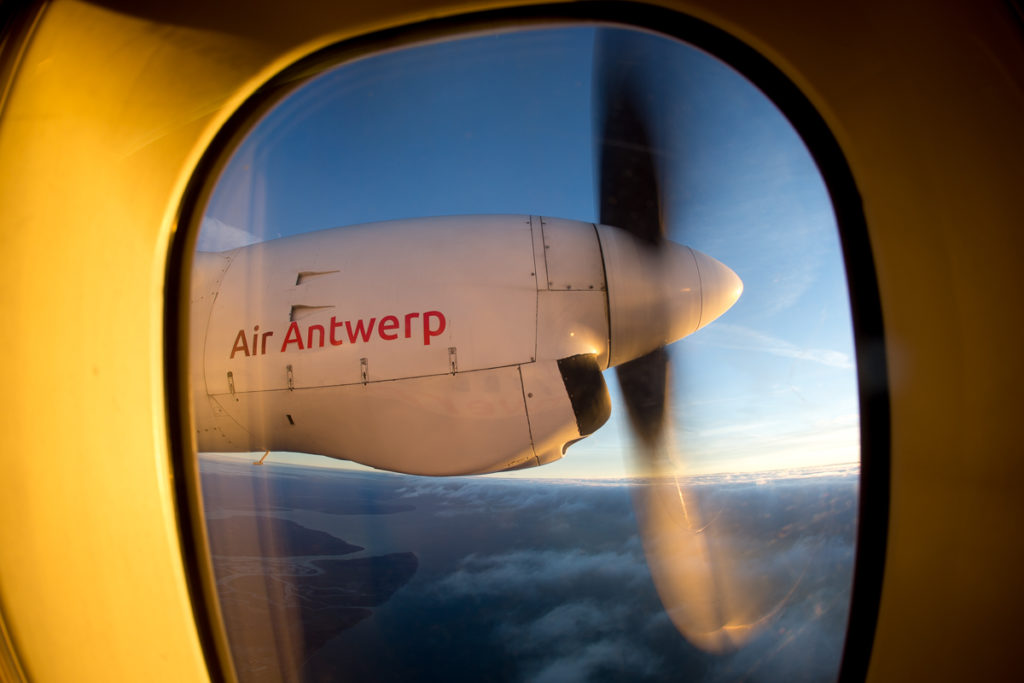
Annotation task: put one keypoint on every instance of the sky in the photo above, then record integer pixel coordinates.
(503, 123)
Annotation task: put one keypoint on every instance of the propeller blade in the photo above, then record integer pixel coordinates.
(713, 598)
(629, 197)
(644, 387)
(710, 598)
(628, 189)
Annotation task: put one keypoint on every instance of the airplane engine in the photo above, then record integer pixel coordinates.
(433, 346)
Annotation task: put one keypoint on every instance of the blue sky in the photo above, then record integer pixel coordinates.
(503, 124)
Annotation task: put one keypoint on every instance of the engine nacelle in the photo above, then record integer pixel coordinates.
(438, 346)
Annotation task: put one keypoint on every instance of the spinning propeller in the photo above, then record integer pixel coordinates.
(693, 567)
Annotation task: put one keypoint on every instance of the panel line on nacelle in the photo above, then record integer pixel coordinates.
(385, 380)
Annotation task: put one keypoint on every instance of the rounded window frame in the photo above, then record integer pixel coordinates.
(795, 106)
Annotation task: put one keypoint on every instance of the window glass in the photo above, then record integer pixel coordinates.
(330, 570)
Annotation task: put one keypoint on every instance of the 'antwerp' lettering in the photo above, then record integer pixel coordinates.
(359, 332)
(391, 323)
(427, 331)
(293, 336)
(335, 325)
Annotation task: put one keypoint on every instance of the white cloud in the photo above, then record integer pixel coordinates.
(583, 664)
(590, 636)
(532, 570)
(462, 496)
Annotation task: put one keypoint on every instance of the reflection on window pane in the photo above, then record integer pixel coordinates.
(723, 552)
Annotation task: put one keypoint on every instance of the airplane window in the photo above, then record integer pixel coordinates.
(526, 356)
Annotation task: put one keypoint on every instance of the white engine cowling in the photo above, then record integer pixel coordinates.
(437, 346)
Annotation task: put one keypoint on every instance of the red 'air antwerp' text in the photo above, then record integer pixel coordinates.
(426, 325)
